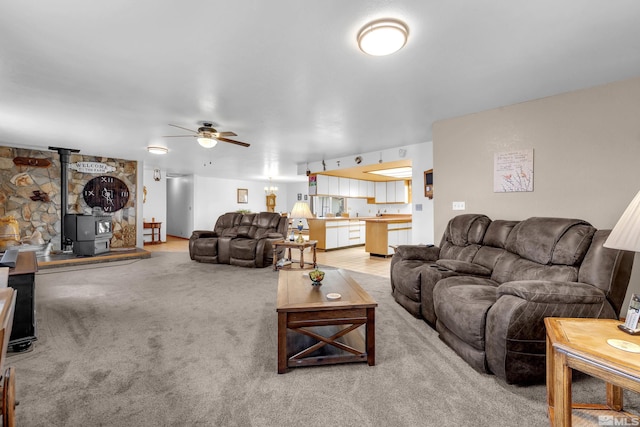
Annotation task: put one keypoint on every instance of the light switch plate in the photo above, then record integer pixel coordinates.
(458, 206)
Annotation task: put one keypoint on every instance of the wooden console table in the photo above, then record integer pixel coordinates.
(153, 226)
(288, 244)
(582, 344)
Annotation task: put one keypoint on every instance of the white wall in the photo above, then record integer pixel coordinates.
(423, 222)
(215, 196)
(155, 205)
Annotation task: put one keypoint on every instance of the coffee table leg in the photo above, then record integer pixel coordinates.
(313, 248)
(282, 343)
(302, 257)
(371, 336)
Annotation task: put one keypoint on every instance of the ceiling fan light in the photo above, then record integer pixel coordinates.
(154, 149)
(383, 37)
(207, 142)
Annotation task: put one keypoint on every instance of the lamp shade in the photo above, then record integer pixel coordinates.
(626, 234)
(301, 210)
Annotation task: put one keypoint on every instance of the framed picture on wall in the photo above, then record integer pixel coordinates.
(243, 195)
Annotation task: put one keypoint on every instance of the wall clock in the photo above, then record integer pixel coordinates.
(107, 192)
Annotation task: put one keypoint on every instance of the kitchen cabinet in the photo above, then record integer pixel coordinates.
(381, 192)
(354, 188)
(391, 192)
(363, 188)
(322, 185)
(371, 189)
(343, 186)
(334, 186)
(400, 191)
(336, 233)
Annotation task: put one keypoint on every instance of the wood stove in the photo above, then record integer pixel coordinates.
(90, 234)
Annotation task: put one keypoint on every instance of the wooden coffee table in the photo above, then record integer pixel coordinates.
(582, 344)
(315, 330)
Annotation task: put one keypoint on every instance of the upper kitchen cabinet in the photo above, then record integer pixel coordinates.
(391, 192)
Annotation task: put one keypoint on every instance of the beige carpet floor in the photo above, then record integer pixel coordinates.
(170, 342)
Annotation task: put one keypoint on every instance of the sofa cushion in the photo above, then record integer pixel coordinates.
(408, 278)
(227, 223)
(498, 232)
(461, 253)
(536, 238)
(242, 248)
(417, 252)
(550, 292)
(461, 304)
(510, 267)
(464, 267)
(488, 256)
(467, 229)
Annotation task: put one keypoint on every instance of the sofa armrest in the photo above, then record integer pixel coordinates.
(275, 236)
(196, 234)
(547, 291)
(418, 252)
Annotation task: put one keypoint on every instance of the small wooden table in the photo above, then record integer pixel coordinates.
(153, 226)
(582, 344)
(293, 244)
(314, 330)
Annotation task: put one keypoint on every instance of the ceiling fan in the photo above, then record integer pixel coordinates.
(207, 136)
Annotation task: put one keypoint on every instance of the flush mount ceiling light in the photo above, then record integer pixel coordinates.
(383, 37)
(157, 150)
(207, 142)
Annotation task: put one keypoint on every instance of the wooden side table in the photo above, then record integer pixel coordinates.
(582, 344)
(288, 244)
(153, 226)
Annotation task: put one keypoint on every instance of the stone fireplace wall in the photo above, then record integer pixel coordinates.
(20, 185)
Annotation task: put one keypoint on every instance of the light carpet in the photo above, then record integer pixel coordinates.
(167, 341)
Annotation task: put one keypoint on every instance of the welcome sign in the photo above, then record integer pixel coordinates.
(91, 167)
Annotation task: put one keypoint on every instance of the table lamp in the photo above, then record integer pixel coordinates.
(626, 236)
(301, 210)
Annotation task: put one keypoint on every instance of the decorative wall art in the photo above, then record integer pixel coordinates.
(243, 195)
(513, 171)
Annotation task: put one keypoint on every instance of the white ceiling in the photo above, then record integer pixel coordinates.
(107, 77)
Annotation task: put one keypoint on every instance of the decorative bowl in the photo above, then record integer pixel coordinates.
(316, 277)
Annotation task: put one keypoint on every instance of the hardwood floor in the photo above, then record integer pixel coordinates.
(355, 258)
